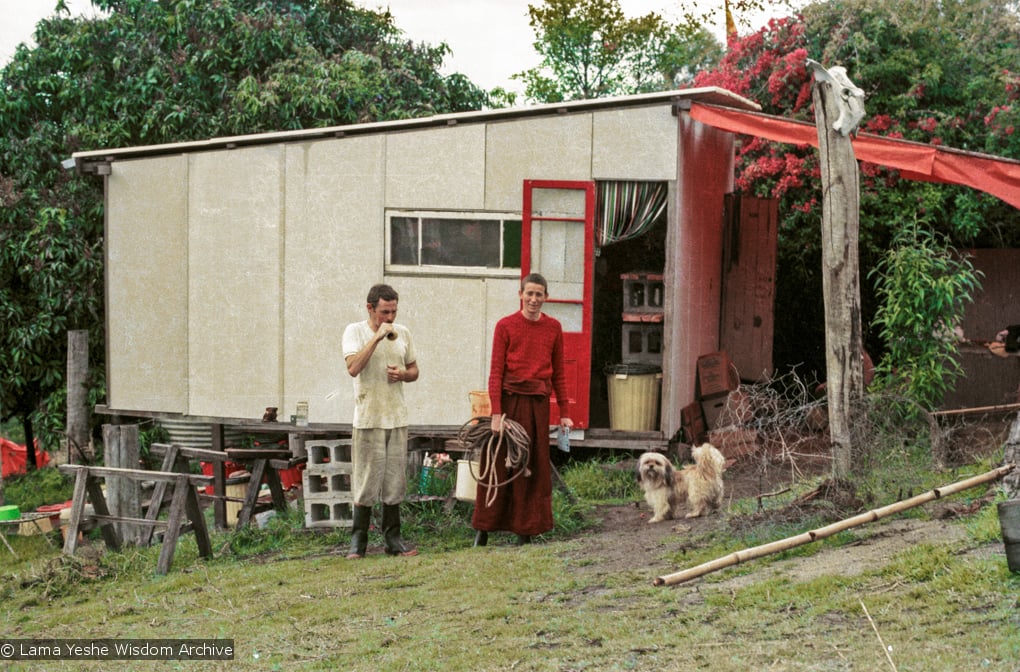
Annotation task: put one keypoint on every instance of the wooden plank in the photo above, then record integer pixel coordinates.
(258, 469)
(243, 454)
(136, 474)
(95, 491)
(77, 511)
(173, 529)
(219, 479)
(194, 512)
(159, 492)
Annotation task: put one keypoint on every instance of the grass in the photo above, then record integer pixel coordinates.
(290, 601)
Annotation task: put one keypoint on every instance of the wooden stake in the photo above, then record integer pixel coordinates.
(829, 530)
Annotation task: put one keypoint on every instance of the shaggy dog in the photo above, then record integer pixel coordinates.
(666, 488)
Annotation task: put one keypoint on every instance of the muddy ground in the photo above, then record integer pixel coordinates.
(624, 541)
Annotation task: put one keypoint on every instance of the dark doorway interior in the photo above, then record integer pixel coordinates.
(645, 253)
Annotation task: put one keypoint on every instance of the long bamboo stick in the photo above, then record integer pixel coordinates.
(829, 530)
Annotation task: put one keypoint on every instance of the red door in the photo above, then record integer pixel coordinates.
(558, 241)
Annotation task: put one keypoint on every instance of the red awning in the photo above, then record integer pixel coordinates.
(916, 161)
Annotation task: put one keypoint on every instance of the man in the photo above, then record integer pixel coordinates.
(526, 366)
(380, 357)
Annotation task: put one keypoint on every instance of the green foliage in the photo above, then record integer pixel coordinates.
(37, 488)
(924, 287)
(146, 73)
(934, 72)
(590, 49)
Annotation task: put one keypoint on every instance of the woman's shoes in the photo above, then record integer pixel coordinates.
(481, 538)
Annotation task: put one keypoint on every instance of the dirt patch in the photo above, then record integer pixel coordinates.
(624, 541)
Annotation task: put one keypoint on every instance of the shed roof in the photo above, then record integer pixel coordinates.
(88, 161)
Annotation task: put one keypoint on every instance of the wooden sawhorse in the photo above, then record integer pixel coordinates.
(261, 462)
(184, 503)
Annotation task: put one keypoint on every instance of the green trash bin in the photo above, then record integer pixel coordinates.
(633, 396)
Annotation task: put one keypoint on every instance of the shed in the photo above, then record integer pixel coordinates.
(233, 264)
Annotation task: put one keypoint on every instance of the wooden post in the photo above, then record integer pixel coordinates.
(120, 446)
(1011, 484)
(840, 270)
(77, 396)
(219, 479)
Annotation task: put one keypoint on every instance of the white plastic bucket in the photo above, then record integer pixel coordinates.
(466, 482)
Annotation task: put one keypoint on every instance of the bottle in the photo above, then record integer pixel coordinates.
(301, 418)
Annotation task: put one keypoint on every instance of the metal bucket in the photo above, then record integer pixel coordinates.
(1009, 521)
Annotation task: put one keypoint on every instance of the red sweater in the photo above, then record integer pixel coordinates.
(526, 356)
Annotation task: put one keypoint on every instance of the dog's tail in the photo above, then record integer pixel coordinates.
(708, 460)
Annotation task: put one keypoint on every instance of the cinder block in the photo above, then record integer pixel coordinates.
(642, 292)
(327, 451)
(642, 343)
(329, 512)
(326, 483)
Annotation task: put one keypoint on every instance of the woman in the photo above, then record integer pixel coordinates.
(526, 367)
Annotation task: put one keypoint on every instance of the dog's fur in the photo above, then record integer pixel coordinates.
(666, 488)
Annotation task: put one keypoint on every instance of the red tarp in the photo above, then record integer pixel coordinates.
(916, 161)
(15, 458)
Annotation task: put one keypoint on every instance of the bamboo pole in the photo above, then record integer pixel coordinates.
(829, 530)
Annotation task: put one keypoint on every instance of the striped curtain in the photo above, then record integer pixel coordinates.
(626, 209)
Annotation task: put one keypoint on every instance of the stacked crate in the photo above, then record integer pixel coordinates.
(643, 297)
(327, 483)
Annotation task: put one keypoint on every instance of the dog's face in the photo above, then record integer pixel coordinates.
(654, 470)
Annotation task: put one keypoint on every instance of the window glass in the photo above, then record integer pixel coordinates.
(460, 242)
(404, 240)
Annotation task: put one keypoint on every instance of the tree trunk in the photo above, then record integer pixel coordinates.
(840, 275)
(77, 397)
(123, 495)
(26, 428)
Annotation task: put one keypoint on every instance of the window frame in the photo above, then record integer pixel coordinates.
(501, 217)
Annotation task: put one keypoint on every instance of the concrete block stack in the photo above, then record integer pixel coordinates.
(327, 483)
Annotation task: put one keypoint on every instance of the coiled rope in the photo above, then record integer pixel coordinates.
(478, 435)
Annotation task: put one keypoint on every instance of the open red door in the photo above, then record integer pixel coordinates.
(558, 241)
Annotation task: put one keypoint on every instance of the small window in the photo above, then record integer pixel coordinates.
(447, 242)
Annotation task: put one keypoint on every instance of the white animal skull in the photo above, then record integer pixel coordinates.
(849, 98)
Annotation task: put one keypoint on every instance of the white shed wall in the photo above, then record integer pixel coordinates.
(234, 272)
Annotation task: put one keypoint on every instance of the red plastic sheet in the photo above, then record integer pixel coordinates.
(994, 175)
(15, 458)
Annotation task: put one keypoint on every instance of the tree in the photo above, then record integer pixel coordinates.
(935, 72)
(590, 49)
(158, 72)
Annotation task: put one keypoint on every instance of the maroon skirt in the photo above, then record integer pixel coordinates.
(523, 506)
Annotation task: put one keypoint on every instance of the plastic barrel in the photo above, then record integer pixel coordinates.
(633, 396)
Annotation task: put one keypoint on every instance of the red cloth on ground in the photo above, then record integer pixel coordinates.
(15, 458)
(523, 506)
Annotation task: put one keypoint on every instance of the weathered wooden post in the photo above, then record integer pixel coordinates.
(123, 495)
(1011, 484)
(77, 397)
(839, 107)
